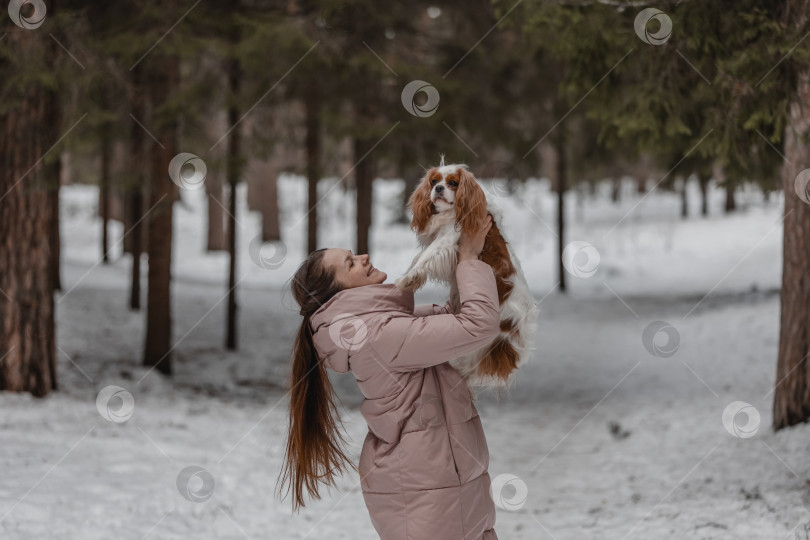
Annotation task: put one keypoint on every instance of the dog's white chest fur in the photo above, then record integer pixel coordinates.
(437, 261)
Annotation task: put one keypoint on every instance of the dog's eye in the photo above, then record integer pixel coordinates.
(453, 183)
(433, 182)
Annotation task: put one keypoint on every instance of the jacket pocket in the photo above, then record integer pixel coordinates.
(469, 446)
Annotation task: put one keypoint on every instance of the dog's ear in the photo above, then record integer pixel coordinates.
(471, 202)
(419, 203)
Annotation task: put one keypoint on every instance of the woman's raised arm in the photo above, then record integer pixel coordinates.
(412, 343)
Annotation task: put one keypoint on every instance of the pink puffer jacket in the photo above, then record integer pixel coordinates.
(423, 466)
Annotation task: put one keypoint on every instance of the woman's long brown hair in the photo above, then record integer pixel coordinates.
(314, 454)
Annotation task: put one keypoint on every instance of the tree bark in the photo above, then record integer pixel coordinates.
(271, 227)
(104, 191)
(135, 203)
(214, 189)
(703, 182)
(561, 180)
(791, 403)
(365, 109)
(52, 172)
(217, 240)
(27, 359)
(313, 144)
(133, 191)
(234, 171)
(616, 189)
(684, 197)
(157, 351)
(731, 203)
(364, 176)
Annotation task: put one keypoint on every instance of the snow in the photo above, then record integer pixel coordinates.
(609, 440)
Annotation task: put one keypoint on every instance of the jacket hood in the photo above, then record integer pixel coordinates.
(339, 327)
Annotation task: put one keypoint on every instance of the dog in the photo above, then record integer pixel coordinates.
(448, 201)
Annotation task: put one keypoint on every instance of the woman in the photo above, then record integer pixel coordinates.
(423, 466)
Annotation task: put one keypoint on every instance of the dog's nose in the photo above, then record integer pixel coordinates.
(439, 189)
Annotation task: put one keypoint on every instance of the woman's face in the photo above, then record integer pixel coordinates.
(353, 270)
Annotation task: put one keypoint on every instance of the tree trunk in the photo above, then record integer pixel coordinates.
(215, 190)
(364, 176)
(53, 172)
(133, 192)
(27, 359)
(684, 197)
(364, 172)
(561, 172)
(104, 190)
(791, 403)
(217, 240)
(616, 190)
(731, 203)
(580, 192)
(313, 144)
(135, 203)
(703, 182)
(157, 351)
(234, 171)
(271, 228)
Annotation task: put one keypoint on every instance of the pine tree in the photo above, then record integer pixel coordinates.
(725, 89)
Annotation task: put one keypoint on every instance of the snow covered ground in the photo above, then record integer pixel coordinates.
(605, 435)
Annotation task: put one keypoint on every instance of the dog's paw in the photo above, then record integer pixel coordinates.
(410, 282)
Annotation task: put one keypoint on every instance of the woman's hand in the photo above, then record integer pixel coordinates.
(471, 245)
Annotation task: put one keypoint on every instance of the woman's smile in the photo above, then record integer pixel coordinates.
(353, 270)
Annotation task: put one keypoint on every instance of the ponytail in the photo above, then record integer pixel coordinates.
(314, 454)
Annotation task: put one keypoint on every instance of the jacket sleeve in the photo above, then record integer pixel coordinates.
(413, 343)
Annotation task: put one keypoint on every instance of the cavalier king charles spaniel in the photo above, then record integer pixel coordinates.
(447, 202)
